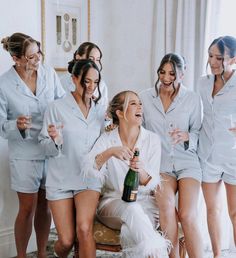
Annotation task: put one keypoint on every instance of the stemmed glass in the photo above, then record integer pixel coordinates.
(233, 125)
(28, 116)
(59, 138)
(171, 128)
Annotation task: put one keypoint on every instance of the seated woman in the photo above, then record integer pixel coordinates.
(110, 160)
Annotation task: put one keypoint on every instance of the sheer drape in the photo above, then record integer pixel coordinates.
(185, 27)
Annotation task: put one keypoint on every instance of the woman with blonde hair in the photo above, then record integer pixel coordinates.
(110, 159)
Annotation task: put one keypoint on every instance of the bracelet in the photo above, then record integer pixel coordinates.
(147, 180)
(99, 161)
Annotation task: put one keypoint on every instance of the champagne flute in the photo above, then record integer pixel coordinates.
(233, 125)
(171, 128)
(59, 138)
(28, 116)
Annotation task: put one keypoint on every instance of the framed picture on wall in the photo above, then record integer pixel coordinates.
(65, 25)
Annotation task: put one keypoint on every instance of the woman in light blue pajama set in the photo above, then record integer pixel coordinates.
(72, 197)
(27, 85)
(174, 113)
(218, 159)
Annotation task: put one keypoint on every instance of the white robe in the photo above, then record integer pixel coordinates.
(138, 221)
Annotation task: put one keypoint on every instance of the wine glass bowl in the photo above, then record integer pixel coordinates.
(28, 116)
(59, 138)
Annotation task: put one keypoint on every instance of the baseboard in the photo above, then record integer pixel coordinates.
(7, 243)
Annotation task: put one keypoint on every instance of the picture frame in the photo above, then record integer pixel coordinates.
(65, 24)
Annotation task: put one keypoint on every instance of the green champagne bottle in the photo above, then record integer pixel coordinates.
(131, 183)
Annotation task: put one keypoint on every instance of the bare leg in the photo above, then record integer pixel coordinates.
(63, 216)
(23, 223)
(231, 199)
(42, 222)
(212, 194)
(168, 216)
(86, 203)
(189, 190)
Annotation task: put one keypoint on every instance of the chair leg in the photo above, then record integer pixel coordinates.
(182, 248)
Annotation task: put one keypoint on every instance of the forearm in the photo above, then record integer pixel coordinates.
(144, 177)
(102, 158)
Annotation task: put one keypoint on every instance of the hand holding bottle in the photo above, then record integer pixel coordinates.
(131, 183)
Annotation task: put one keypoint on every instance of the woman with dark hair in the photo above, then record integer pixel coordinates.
(174, 113)
(110, 160)
(25, 91)
(218, 158)
(71, 126)
(87, 50)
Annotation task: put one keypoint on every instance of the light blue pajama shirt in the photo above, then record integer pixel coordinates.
(217, 157)
(185, 113)
(14, 97)
(79, 136)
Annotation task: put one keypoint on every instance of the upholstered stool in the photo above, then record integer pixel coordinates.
(108, 239)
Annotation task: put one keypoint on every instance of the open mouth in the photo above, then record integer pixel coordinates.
(138, 115)
(167, 84)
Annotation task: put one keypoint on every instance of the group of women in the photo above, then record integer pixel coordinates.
(62, 135)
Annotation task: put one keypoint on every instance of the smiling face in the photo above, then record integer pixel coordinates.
(91, 82)
(133, 111)
(31, 59)
(219, 63)
(168, 77)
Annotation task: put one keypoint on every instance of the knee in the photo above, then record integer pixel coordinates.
(167, 206)
(214, 211)
(26, 213)
(66, 243)
(84, 230)
(187, 218)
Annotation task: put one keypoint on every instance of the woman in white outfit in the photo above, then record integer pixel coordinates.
(218, 158)
(87, 50)
(109, 160)
(174, 113)
(25, 91)
(73, 198)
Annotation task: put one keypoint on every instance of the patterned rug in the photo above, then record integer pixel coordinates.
(102, 254)
(53, 237)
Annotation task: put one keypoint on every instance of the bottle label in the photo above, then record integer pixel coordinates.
(129, 194)
(133, 195)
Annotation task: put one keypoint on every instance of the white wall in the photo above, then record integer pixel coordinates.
(123, 31)
(15, 16)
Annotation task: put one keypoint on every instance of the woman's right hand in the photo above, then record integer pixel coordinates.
(22, 122)
(122, 152)
(52, 131)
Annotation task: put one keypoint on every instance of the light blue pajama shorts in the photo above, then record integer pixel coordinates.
(214, 173)
(193, 173)
(27, 176)
(54, 194)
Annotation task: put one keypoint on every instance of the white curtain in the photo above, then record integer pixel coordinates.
(184, 27)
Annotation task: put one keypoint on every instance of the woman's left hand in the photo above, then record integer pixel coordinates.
(179, 136)
(136, 165)
(233, 130)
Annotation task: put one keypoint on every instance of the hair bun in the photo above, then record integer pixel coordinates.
(5, 42)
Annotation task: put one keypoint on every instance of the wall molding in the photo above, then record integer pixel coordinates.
(7, 243)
